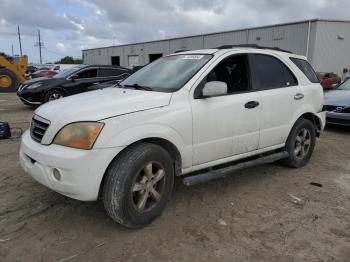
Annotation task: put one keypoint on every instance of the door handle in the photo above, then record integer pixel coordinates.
(251, 104)
(298, 96)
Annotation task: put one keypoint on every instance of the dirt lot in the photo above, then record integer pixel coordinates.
(268, 213)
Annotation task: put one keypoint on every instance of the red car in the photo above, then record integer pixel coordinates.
(44, 73)
(329, 80)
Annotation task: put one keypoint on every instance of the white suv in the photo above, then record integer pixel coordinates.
(211, 111)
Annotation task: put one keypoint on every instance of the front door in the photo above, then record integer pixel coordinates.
(227, 125)
(86, 78)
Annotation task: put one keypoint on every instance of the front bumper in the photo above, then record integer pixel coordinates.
(81, 170)
(338, 118)
(30, 96)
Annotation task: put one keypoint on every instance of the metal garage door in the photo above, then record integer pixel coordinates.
(133, 60)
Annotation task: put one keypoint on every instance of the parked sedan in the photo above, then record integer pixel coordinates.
(337, 105)
(68, 82)
(44, 73)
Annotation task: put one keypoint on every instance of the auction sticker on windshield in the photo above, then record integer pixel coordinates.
(193, 57)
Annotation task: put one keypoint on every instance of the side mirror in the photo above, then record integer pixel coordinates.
(74, 77)
(214, 88)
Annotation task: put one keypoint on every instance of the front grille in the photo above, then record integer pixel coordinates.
(38, 128)
(338, 109)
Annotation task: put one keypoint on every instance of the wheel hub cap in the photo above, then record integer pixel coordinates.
(5, 81)
(302, 143)
(148, 186)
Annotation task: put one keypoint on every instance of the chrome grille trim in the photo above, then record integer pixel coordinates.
(38, 128)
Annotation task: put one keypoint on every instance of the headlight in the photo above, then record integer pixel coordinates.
(80, 135)
(36, 85)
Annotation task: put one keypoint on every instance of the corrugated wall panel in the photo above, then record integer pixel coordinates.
(188, 43)
(332, 47)
(130, 50)
(89, 57)
(229, 38)
(161, 47)
(289, 37)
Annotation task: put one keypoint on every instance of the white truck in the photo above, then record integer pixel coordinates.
(205, 112)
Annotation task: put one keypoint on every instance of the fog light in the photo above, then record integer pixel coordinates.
(56, 174)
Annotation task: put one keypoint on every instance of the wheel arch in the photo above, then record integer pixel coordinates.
(164, 143)
(315, 120)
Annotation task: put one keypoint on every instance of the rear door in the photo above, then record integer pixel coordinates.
(280, 97)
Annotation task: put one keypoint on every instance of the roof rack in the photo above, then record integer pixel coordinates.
(253, 46)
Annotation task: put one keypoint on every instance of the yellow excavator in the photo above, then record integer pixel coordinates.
(12, 72)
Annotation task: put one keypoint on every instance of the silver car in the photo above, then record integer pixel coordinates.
(337, 104)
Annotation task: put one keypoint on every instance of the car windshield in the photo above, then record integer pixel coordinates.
(167, 74)
(67, 72)
(345, 85)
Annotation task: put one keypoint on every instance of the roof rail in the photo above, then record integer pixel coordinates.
(179, 51)
(253, 46)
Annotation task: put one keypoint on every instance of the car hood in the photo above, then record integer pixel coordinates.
(43, 80)
(337, 98)
(100, 104)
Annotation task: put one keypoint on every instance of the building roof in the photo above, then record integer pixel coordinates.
(221, 32)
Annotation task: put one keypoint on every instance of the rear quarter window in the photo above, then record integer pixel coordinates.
(306, 68)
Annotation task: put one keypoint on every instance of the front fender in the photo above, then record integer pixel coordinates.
(140, 132)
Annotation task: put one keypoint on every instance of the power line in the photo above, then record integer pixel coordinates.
(53, 52)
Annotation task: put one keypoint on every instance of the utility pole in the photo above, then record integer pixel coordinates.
(40, 45)
(13, 54)
(19, 39)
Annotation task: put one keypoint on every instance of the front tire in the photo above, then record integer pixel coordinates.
(8, 81)
(138, 185)
(53, 95)
(300, 143)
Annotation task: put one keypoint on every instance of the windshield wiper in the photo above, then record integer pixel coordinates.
(138, 87)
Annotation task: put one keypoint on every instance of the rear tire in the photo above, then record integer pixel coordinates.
(138, 184)
(300, 143)
(8, 81)
(53, 95)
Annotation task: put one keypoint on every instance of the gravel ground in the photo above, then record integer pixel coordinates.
(267, 213)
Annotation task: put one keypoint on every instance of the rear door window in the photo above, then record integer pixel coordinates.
(269, 73)
(306, 68)
(103, 72)
(88, 73)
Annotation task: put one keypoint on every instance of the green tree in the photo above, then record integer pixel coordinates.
(69, 60)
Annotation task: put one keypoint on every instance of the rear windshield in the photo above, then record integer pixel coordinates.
(306, 68)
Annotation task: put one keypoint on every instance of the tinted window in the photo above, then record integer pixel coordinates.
(269, 72)
(111, 72)
(306, 68)
(87, 73)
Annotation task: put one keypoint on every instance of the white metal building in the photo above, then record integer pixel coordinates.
(326, 43)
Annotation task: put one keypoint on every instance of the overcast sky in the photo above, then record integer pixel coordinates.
(68, 26)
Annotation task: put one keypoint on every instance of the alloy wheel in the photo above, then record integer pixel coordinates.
(148, 186)
(55, 96)
(302, 143)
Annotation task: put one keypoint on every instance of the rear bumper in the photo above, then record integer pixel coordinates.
(322, 117)
(81, 171)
